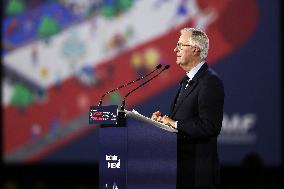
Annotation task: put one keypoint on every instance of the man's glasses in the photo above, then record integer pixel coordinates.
(180, 45)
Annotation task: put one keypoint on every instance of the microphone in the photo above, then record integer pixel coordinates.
(129, 83)
(123, 102)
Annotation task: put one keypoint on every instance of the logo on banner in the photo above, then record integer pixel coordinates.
(114, 186)
(103, 114)
(238, 129)
(113, 162)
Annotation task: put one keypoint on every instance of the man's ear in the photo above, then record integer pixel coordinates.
(195, 50)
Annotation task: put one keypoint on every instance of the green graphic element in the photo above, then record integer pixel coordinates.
(125, 4)
(48, 27)
(15, 7)
(22, 96)
(115, 98)
(113, 8)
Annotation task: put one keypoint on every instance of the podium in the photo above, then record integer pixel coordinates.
(128, 147)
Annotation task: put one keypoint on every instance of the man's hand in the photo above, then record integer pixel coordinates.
(157, 116)
(168, 121)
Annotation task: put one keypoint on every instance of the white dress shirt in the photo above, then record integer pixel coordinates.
(191, 73)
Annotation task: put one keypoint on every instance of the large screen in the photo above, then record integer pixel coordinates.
(60, 57)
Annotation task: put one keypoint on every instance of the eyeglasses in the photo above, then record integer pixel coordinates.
(180, 45)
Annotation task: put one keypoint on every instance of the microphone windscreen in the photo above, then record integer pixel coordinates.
(159, 66)
(167, 66)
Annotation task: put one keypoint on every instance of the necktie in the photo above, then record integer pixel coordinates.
(183, 83)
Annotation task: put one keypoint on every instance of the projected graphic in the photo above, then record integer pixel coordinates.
(60, 56)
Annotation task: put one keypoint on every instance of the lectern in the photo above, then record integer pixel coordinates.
(114, 142)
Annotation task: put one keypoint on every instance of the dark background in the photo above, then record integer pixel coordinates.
(252, 78)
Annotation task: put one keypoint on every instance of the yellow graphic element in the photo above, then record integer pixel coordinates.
(44, 72)
(152, 58)
(136, 60)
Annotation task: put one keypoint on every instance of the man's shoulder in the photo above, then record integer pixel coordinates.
(211, 76)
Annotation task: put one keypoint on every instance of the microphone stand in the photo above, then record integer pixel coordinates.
(129, 83)
(123, 102)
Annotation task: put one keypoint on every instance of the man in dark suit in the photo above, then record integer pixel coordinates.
(197, 113)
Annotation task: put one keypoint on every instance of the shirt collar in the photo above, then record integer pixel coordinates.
(194, 70)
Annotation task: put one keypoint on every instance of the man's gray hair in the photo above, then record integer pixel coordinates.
(198, 39)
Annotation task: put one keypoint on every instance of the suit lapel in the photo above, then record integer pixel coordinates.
(183, 97)
(174, 101)
(192, 84)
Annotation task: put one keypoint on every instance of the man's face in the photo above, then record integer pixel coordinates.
(184, 51)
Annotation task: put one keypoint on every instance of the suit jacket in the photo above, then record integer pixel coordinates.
(199, 113)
